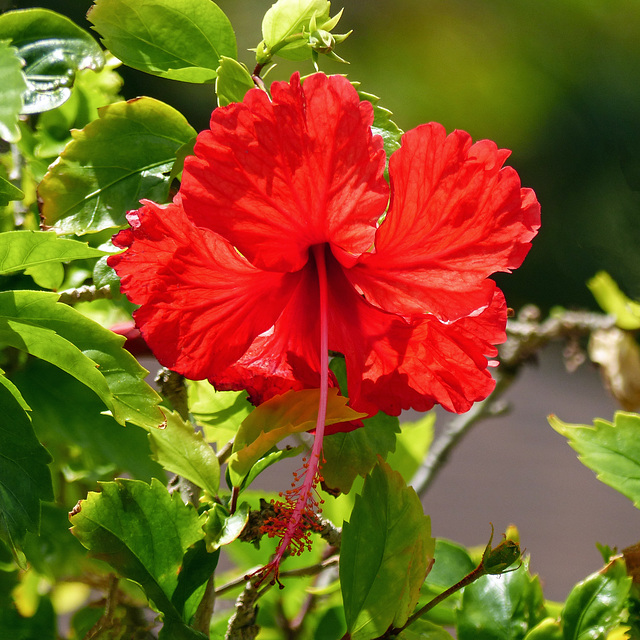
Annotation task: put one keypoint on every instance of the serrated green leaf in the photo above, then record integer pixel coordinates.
(175, 39)
(386, 553)
(25, 479)
(14, 84)
(34, 322)
(501, 607)
(26, 249)
(348, 455)
(145, 534)
(8, 191)
(613, 301)
(233, 81)
(594, 605)
(85, 444)
(612, 450)
(53, 49)
(383, 125)
(124, 156)
(179, 449)
(220, 413)
(277, 418)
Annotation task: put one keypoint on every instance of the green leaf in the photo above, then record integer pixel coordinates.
(85, 444)
(219, 412)
(355, 453)
(41, 625)
(501, 607)
(594, 605)
(8, 191)
(145, 534)
(382, 124)
(14, 84)
(14, 391)
(26, 249)
(34, 322)
(613, 301)
(180, 449)
(412, 445)
(223, 528)
(25, 479)
(386, 553)
(546, 629)
(53, 49)
(175, 39)
(277, 418)
(124, 156)
(425, 630)
(612, 450)
(47, 276)
(233, 81)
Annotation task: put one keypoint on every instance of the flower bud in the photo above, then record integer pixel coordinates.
(501, 557)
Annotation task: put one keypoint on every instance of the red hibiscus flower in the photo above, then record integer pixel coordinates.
(274, 253)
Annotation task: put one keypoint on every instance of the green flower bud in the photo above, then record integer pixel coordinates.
(501, 557)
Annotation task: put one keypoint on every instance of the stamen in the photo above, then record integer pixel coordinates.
(295, 517)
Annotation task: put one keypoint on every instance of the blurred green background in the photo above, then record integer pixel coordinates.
(556, 81)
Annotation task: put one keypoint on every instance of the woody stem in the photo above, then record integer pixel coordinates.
(316, 451)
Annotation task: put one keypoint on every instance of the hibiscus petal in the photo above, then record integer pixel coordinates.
(275, 177)
(202, 303)
(456, 216)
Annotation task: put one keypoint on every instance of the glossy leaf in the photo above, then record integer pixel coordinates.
(355, 453)
(613, 301)
(8, 191)
(594, 605)
(175, 39)
(547, 629)
(220, 413)
(277, 418)
(85, 443)
(424, 630)
(501, 607)
(25, 479)
(26, 249)
(34, 322)
(14, 84)
(180, 449)
(233, 81)
(223, 528)
(612, 450)
(53, 49)
(145, 534)
(386, 553)
(124, 156)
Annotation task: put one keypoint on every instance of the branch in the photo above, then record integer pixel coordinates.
(87, 293)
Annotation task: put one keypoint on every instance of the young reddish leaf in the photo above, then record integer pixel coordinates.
(180, 449)
(291, 412)
(187, 39)
(386, 552)
(34, 322)
(147, 536)
(612, 450)
(25, 479)
(125, 155)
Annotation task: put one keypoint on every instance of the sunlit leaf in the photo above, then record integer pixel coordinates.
(222, 527)
(148, 536)
(8, 191)
(386, 553)
(25, 478)
(612, 450)
(501, 607)
(595, 605)
(180, 449)
(220, 413)
(412, 445)
(34, 322)
(613, 301)
(383, 125)
(176, 39)
(546, 629)
(233, 81)
(277, 418)
(424, 630)
(14, 84)
(125, 155)
(25, 249)
(53, 49)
